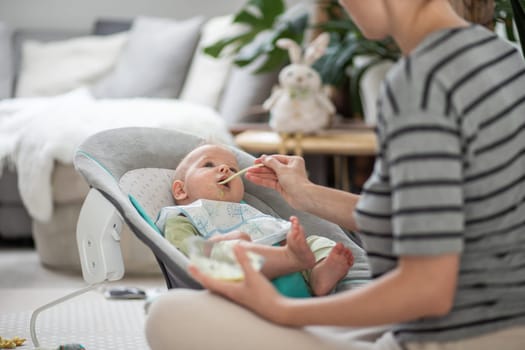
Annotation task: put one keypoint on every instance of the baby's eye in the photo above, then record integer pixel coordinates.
(233, 170)
(209, 165)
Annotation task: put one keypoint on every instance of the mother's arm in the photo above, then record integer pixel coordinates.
(331, 204)
(418, 287)
(287, 175)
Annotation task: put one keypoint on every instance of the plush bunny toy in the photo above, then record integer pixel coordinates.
(299, 104)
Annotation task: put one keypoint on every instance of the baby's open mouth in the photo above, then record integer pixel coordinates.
(222, 178)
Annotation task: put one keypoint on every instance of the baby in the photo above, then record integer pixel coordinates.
(322, 261)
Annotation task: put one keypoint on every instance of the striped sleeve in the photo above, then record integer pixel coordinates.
(424, 157)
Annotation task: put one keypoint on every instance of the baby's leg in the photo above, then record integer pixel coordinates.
(292, 257)
(296, 247)
(327, 272)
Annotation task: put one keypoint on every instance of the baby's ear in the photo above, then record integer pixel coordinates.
(177, 189)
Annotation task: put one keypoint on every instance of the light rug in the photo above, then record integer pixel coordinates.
(89, 319)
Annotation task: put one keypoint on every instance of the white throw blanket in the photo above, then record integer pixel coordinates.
(36, 132)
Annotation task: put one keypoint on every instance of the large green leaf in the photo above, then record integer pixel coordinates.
(260, 13)
(249, 52)
(266, 23)
(274, 60)
(264, 44)
(340, 26)
(234, 42)
(257, 16)
(503, 14)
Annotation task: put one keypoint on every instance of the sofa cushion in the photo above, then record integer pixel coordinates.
(204, 68)
(41, 35)
(151, 187)
(53, 68)
(111, 26)
(155, 60)
(243, 92)
(6, 57)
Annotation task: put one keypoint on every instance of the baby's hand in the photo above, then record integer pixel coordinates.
(231, 236)
(217, 259)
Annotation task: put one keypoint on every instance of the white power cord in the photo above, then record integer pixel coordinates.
(35, 313)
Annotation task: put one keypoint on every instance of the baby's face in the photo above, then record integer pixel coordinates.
(209, 165)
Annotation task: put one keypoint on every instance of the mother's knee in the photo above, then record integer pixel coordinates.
(170, 315)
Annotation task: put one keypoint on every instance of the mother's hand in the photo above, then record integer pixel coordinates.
(285, 174)
(255, 292)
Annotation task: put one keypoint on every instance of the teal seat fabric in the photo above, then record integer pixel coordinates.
(143, 213)
(292, 285)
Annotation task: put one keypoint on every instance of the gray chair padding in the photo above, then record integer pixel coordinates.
(104, 158)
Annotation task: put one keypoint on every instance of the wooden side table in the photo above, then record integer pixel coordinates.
(339, 143)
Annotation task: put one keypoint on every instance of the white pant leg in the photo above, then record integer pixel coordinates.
(506, 339)
(187, 319)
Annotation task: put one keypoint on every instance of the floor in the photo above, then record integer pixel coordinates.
(89, 319)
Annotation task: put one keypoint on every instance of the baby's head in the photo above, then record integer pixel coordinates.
(198, 174)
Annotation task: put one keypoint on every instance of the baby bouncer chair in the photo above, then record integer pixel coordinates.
(130, 172)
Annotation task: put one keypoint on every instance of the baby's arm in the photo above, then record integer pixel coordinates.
(177, 230)
(234, 235)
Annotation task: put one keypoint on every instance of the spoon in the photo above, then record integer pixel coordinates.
(240, 172)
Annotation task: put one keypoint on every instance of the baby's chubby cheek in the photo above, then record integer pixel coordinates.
(213, 192)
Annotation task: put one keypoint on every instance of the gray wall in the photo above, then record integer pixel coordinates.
(80, 14)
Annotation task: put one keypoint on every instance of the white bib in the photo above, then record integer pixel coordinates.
(217, 217)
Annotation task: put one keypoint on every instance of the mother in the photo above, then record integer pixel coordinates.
(442, 215)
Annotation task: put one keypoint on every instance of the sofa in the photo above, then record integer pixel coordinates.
(129, 71)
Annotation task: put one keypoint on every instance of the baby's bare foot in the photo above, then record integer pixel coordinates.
(297, 249)
(327, 272)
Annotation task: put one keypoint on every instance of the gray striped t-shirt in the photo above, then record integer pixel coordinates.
(450, 177)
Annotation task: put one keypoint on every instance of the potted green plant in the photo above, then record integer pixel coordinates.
(349, 56)
(348, 47)
(266, 21)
